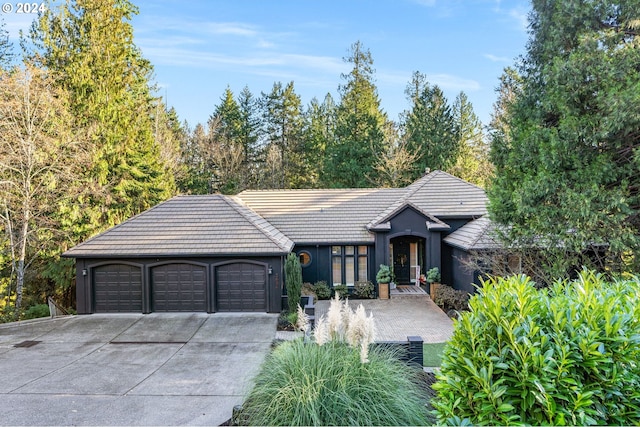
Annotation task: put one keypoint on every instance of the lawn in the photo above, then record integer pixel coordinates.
(432, 354)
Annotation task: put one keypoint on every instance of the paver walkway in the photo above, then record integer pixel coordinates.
(396, 319)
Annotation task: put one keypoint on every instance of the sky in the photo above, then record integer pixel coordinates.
(199, 48)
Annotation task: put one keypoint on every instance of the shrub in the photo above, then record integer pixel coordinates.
(363, 289)
(322, 290)
(384, 274)
(342, 290)
(293, 277)
(433, 275)
(451, 299)
(36, 311)
(564, 355)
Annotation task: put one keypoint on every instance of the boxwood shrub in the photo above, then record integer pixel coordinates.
(568, 354)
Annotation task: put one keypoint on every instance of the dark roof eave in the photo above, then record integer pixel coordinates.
(175, 255)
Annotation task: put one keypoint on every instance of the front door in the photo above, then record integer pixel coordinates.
(402, 261)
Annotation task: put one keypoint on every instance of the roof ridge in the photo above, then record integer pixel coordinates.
(461, 180)
(483, 229)
(240, 207)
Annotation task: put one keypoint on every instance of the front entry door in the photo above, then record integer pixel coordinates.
(402, 262)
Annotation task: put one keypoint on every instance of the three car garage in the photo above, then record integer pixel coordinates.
(179, 287)
(189, 254)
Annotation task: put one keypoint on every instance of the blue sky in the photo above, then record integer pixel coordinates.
(198, 48)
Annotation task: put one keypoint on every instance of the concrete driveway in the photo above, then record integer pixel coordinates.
(130, 369)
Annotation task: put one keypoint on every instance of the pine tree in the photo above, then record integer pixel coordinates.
(359, 136)
(249, 126)
(429, 127)
(472, 163)
(88, 47)
(568, 159)
(282, 124)
(319, 133)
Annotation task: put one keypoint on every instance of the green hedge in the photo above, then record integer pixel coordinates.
(568, 354)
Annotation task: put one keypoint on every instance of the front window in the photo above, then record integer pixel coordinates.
(348, 264)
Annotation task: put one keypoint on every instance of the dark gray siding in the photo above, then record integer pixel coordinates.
(460, 277)
(320, 266)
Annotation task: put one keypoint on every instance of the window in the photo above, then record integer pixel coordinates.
(305, 258)
(348, 264)
(363, 265)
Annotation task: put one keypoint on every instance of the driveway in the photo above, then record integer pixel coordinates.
(130, 369)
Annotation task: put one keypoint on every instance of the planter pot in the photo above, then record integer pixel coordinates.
(433, 289)
(383, 290)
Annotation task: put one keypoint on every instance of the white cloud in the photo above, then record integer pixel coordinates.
(495, 58)
(230, 28)
(519, 14)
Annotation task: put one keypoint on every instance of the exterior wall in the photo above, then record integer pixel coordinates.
(84, 287)
(459, 277)
(320, 266)
(409, 223)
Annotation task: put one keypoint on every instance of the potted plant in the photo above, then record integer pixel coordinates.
(433, 279)
(383, 278)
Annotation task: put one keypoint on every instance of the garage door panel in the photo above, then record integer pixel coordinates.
(179, 287)
(241, 287)
(117, 289)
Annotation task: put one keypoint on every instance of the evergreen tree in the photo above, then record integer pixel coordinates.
(197, 178)
(282, 124)
(249, 127)
(568, 159)
(430, 128)
(6, 47)
(472, 163)
(88, 47)
(226, 150)
(319, 132)
(359, 135)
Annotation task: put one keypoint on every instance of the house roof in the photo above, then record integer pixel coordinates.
(328, 216)
(476, 235)
(270, 221)
(189, 225)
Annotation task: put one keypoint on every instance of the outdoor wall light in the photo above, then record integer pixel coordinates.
(270, 270)
(84, 272)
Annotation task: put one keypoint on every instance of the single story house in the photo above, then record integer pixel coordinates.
(226, 253)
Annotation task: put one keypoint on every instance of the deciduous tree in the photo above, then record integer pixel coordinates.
(39, 161)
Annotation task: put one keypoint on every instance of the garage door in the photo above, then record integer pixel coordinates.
(117, 289)
(241, 287)
(179, 287)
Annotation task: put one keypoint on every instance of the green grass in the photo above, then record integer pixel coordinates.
(433, 354)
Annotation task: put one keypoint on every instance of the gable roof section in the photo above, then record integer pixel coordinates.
(476, 235)
(446, 196)
(348, 215)
(189, 225)
(382, 221)
(322, 216)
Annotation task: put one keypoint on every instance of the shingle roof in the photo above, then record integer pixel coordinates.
(444, 195)
(321, 216)
(333, 216)
(189, 225)
(270, 221)
(476, 235)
